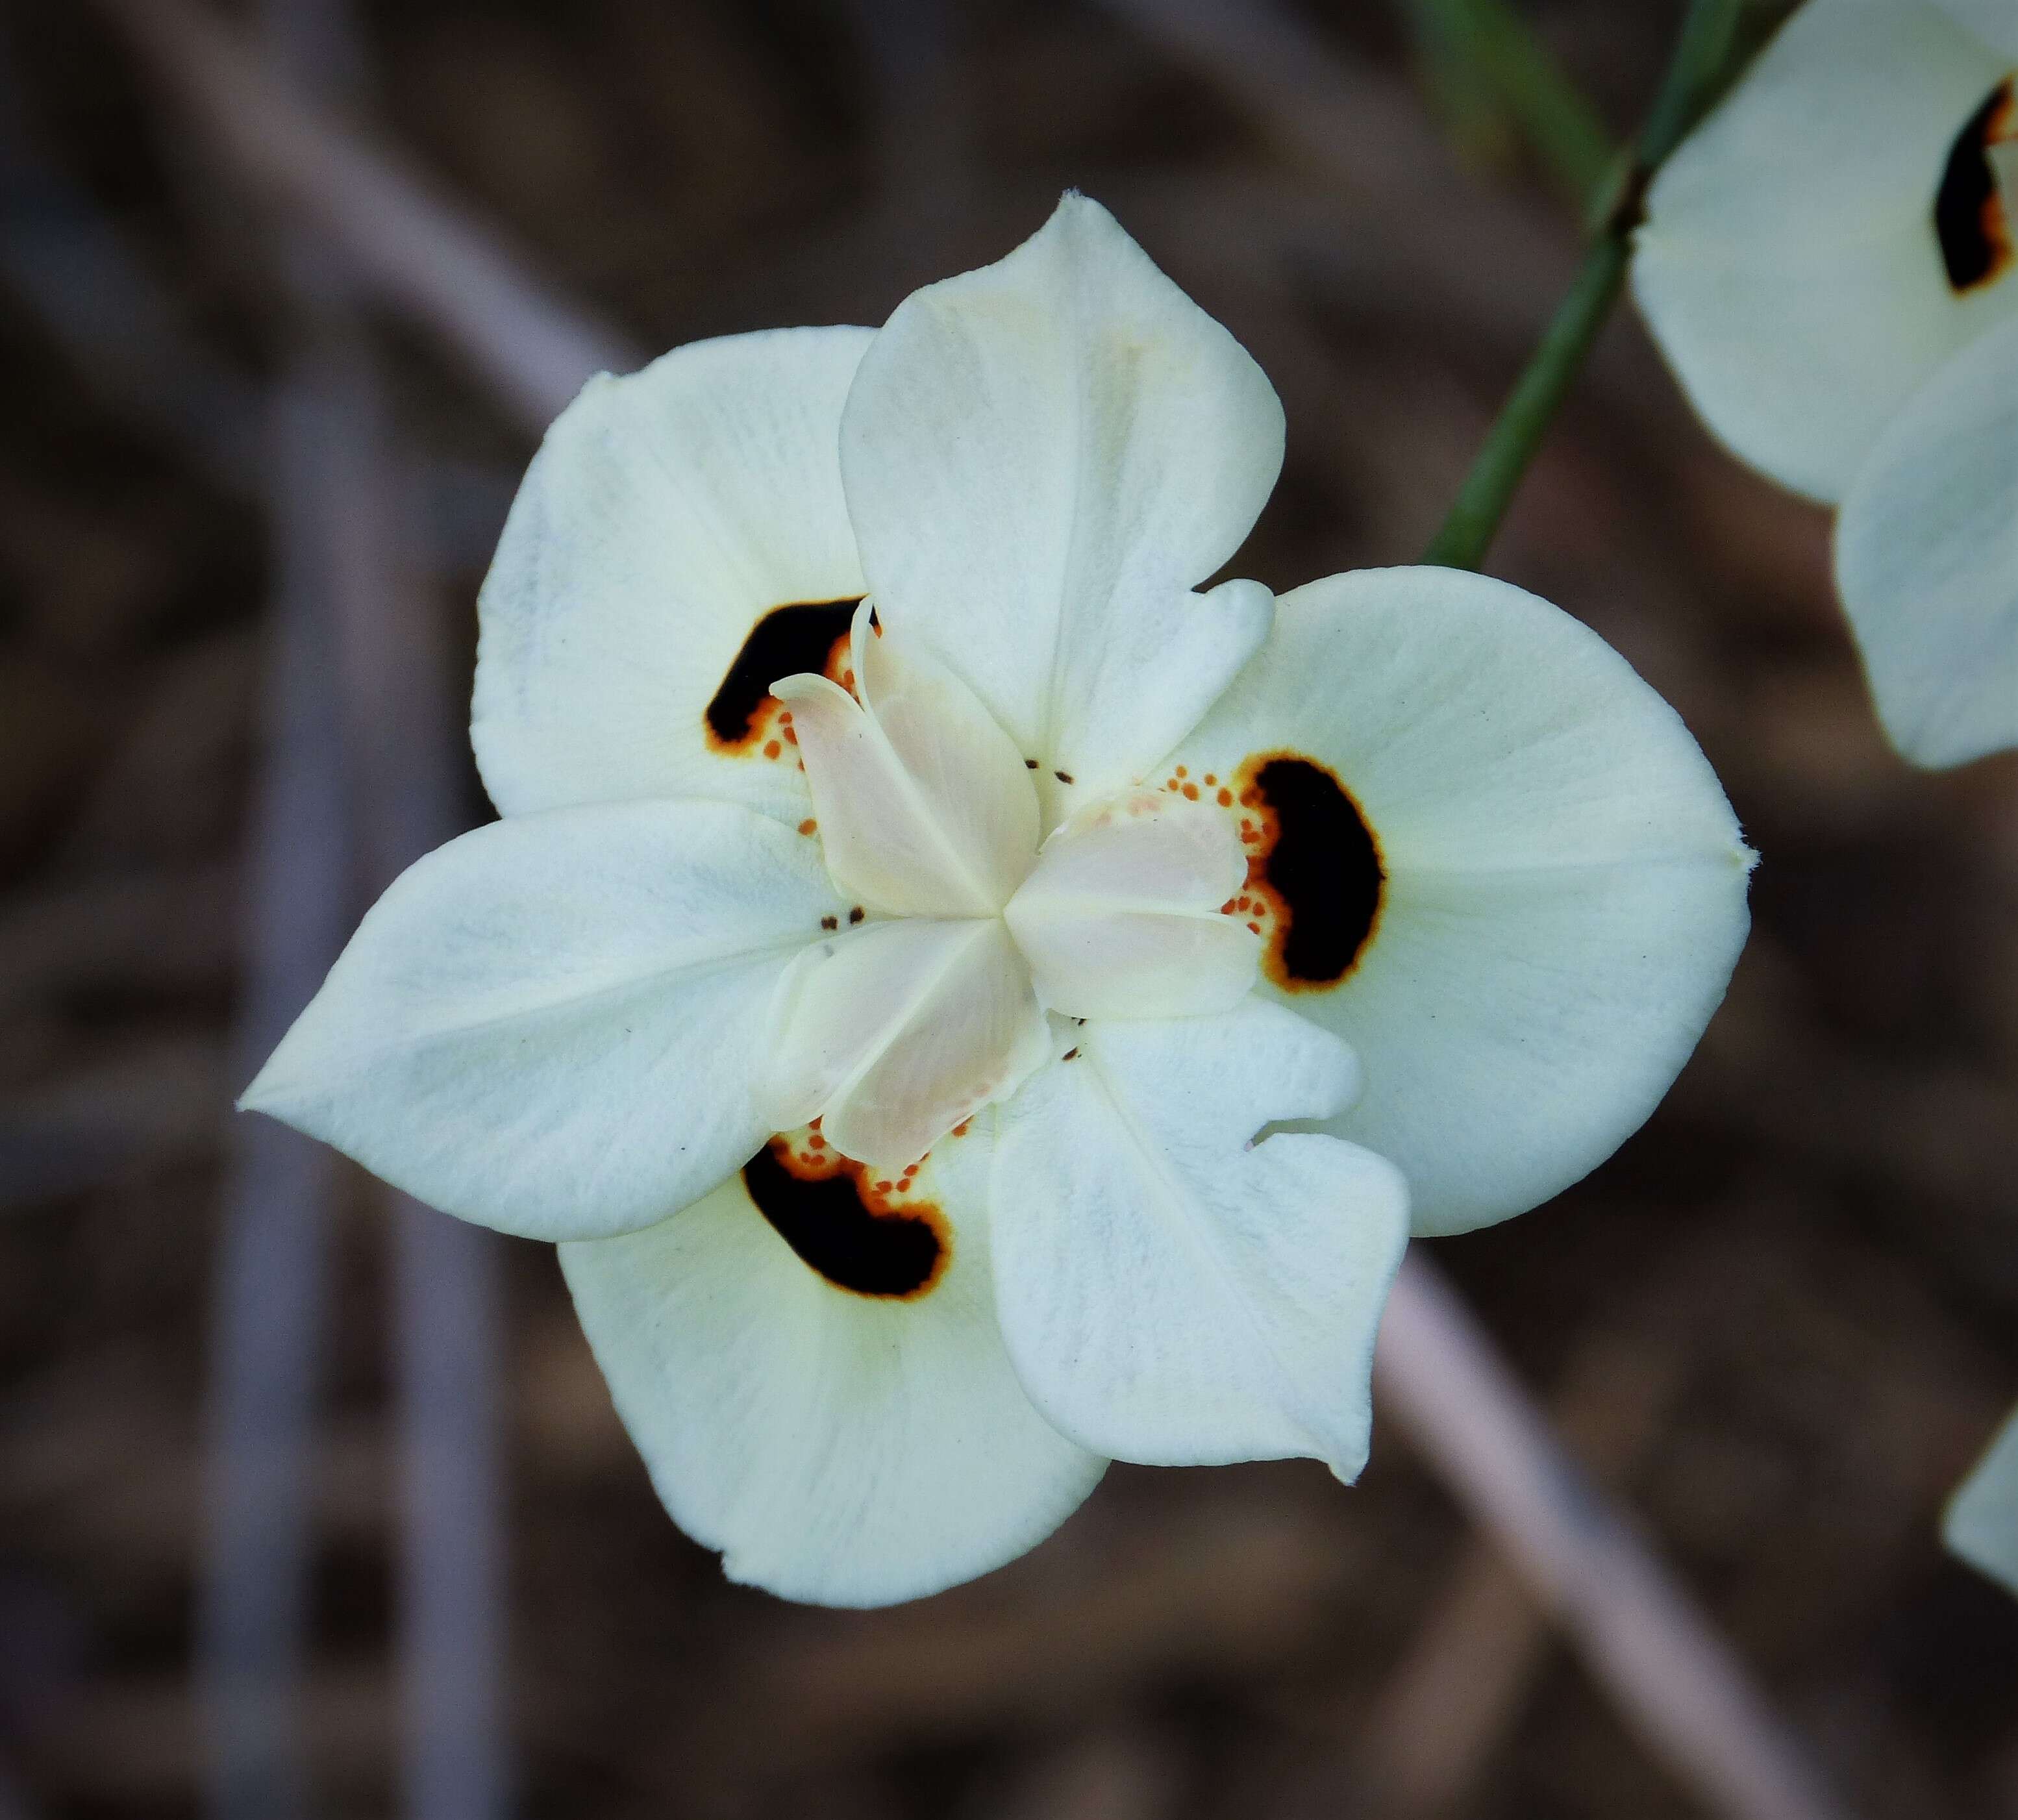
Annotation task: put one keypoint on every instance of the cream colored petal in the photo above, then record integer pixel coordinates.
(893, 1033)
(1127, 913)
(1493, 861)
(1926, 559)
(1789, 265)
(1043, 460)
(852, 1445)
(1173, 1292)
(680, 529)
(555, 1024)
(967, 773)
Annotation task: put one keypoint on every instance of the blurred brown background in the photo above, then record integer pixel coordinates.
(1779, 1321)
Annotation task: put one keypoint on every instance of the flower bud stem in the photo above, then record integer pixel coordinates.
(1695, 74)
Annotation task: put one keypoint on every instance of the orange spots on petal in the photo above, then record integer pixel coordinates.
(772, 748)
(842, 1226)
(808, 826)
(800, 635)
(1191, 792)
(1225, 798)
(1316, 881)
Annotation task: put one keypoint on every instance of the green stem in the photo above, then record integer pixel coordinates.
(1494, 43)
(1524, 420)
(1694, 72)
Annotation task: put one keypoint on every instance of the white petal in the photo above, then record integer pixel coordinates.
(1564, 886)
(555, 1025)
(1926, 559)
(1043, 459)
(1981, 1522)
(1995, 22)
(925, 807)
(1123, 916)
(893, 1033)
(666, 515)
(1789, 265)
(1169, 1296)
(849, 1449)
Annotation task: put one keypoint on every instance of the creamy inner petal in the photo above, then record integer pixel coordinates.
(1128, 911)
(925, 807)
(891, 1034)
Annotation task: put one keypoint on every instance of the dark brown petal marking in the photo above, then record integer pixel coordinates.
(839, 1221)
(1315, 881)
(802, 636)
(1970, 217)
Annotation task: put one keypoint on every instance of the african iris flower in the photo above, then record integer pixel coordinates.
(1828, 263)
(914, 898)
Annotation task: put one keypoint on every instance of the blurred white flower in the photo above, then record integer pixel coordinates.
(1981, 1522)
(914, 898)
(1828, 263)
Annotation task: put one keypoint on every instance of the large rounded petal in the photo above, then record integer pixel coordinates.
(1981, 1522)
(1789, 264)
(1493, 860)
(1927, 560)
(555, 1025)
(1043, 459)
(846, 1447)
(1171, 1295)
(680, 540)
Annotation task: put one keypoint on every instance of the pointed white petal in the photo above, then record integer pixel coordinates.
(1927, 560)
(1124, 916)
(1564, 886)
(925, 808)
(555, 1024)
(666, 515)
(1981, 1522)
(893, 1033)
(1169, 1296)
(848, 1448)
(1043, 459)
(1789, 265)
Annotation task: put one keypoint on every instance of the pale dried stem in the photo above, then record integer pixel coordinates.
(1438, 1376)
(415, 250)
(267, 1317)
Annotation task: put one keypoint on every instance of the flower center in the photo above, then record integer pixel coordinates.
(893, 1033)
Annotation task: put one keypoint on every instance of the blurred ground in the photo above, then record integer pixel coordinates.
(1780, 1319)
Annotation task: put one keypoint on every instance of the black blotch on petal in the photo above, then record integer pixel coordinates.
(1969, 212)
(1324, 871)
(823, 1218)
(785, 642)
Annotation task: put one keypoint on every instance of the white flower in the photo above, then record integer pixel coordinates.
(1981, 1522)
(1828, 265)
(896, 1114)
